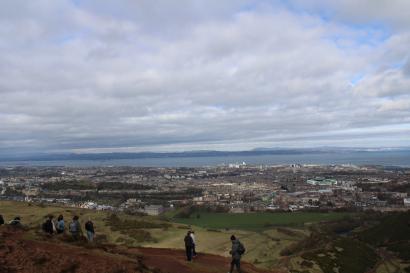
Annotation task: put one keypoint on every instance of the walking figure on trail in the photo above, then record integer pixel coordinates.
(188, 246)
(237, 251)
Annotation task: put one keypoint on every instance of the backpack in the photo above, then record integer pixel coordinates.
(241, 249)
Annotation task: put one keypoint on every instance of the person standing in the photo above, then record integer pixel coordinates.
(75, 228)
(89, 227)
(48, 225)
(188, 246)
(60, 224)
(237, 251)
(193, 243)
(1, 220)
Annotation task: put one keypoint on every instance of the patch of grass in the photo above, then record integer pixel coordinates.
(344, 256)
(135, 229)
(118, 224)
(392, 228)
(401, 248)
(258, 221)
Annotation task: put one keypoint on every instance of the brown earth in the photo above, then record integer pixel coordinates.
(19, 254)
(174, 261)
(20, 251)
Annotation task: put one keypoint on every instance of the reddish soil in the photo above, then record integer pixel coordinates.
(174, 261)
(18, 253)
(52, 256)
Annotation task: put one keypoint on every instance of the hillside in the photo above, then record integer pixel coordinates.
(21, 252)
(329, 243)
(263, 246)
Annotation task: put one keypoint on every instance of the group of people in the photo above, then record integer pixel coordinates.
(50, 227)
(237, 250)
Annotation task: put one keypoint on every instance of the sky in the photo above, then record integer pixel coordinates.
(89, 76)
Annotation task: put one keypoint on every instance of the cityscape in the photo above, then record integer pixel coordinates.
(235, 188)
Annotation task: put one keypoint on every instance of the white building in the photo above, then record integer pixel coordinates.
(154, 210)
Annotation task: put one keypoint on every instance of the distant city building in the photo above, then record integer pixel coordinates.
(321, 181)
(154, 210)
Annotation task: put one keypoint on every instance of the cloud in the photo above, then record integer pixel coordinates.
(394, 14)
(396, 105)
(92, 76)
(388, 83)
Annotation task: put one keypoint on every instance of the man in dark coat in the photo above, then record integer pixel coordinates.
(237, 250)
(188, 246)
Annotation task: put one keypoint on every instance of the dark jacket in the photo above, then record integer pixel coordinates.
(188, 241)
(48, 226)
(1, 220)
(234, 251)
(89, 226)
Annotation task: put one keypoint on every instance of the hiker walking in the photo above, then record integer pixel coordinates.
(75, 228)
(192, 234)
(48, 225)
(188, 246)
(60, 224)
(89, 227)
(237, 251)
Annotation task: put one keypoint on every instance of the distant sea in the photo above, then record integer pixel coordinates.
(383, 158)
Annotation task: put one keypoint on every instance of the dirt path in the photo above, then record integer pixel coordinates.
(174, 261)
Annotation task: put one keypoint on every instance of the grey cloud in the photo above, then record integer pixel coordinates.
(107, 77)
(394, 14)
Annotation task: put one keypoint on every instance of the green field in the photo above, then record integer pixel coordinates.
(258, 221)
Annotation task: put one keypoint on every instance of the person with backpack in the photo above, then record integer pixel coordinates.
(188, 246)
(75, 228)
(89, 227)
(237, 251)
(60, 224)
(48, 225)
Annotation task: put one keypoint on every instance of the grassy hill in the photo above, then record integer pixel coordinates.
(263, 245)
(291, 242)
